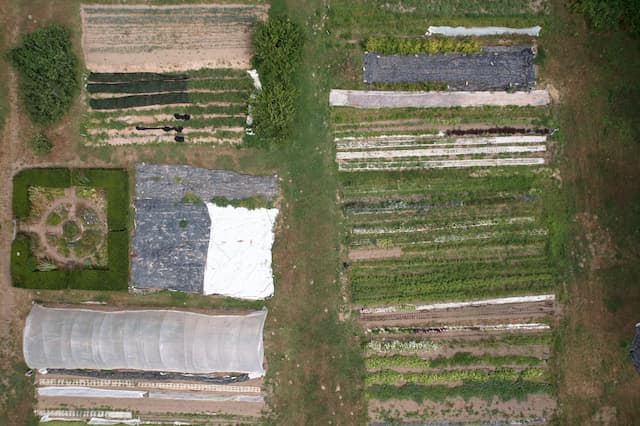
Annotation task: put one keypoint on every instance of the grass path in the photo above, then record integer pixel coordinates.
(315, 368)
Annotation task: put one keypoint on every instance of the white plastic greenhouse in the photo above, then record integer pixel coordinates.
(149, 340)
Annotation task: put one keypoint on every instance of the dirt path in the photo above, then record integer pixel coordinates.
(508, 313)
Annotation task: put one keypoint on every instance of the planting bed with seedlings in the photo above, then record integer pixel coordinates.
(145, 38)
(448, 205)
(205, 106)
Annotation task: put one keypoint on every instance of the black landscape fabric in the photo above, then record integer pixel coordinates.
(496, 68)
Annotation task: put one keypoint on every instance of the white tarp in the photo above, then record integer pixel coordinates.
(149, 340)
(89, 392)
(482, 31)
(239, 257)
(394, 99)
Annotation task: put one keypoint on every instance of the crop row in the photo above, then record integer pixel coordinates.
(406, 340)
(409, 215)
(458, 359)
(143, 76)
(407, 279)
(395, 345)
(505, 390)
(345, 116)
(194, 123)
(170, 86)
(167, 98)
(420, 265)
(461, 253)
(430, 141)
(448, 290)
(389, 377)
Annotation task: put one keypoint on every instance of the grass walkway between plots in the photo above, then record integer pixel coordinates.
(315, 371)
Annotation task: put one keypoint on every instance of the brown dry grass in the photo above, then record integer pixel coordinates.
(597, 382)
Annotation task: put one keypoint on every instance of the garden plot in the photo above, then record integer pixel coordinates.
(448, 233)
(141, 108)
(71, 229)
(462, 363)
(157, 363)
(495, 68)
(422, 245)
(195, 229)
(145, 38)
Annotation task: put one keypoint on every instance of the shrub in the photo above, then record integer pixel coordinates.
(274, 111)
(278, 46)
(53, 219)
(48, 69)
(40, 145)
(412, 46)
(606, 15)
(278, 49)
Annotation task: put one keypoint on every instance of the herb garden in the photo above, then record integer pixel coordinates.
(72, 229)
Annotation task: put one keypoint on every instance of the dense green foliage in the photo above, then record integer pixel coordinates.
(115, 182)
(40, 144)
(164, 99)
(48, 69)
(608, 15)
(503, 389)
(412, 46)
(459, 359)
(278, 47)
(425, 86)
(250, 203)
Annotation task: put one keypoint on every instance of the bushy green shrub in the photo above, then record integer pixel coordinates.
(607, 15)
(278, 46)
(413, 46)
(40, 145)
(278, 49)
(48, 70)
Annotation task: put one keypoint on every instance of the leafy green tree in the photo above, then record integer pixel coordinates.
(48, 71)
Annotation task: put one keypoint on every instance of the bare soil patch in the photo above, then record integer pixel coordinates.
(475, 409)
(168, 38)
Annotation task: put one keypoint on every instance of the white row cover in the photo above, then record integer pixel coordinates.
(239, 256)
(482, 31)
(394, 99)
(150, 340)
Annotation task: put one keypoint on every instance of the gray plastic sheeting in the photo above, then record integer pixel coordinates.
(495, 68)
(171, 237)
(150, 340)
